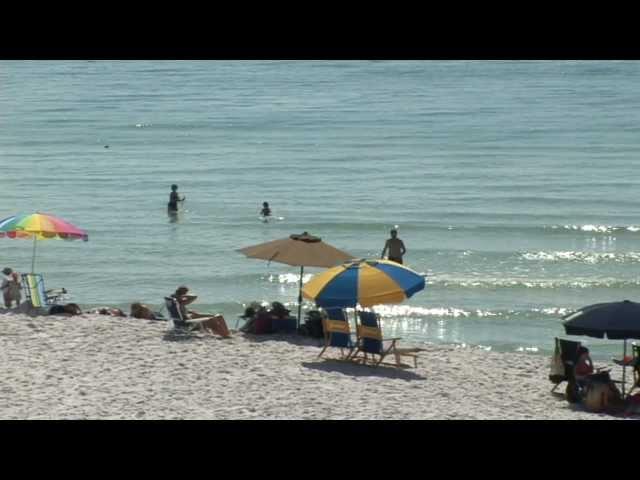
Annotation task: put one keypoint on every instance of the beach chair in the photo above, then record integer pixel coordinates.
(173, 309)
(569, 355)
(337, 333)
(636, 367)
(371, 342)
(181, 323)
(33, 286)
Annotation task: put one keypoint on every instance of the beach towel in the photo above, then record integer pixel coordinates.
(556, 371)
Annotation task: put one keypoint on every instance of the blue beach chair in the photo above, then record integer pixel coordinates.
(33, 285)
(371, 342)
(175, 314)
(337, 333)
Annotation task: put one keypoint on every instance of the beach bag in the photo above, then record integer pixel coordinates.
(556, 370)
(596, 398)
(314, 324)
(263, 323)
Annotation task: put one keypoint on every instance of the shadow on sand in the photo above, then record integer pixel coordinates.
(182, 336)
(357, 370)
(293, 339)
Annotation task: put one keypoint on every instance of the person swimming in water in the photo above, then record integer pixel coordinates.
(174, 198)
(266, 211)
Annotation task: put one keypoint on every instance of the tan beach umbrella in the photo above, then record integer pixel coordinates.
(300, 251)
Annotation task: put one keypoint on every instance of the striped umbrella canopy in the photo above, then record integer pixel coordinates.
(40, 226)
(363, 282)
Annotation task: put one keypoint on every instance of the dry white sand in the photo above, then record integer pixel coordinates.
(99, 367)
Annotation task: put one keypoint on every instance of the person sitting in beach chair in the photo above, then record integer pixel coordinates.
(370, 341)
(337, 333)
(183, 317)
(35, 293)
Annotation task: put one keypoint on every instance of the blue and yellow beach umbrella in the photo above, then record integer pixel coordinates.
(364, 282)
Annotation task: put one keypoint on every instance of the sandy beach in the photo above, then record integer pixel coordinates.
(98, 367)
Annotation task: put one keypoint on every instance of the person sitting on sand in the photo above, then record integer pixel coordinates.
(213, 322)
(266, 211)
(249, 317)
(11, 288)
(138, 310)
(68, 310)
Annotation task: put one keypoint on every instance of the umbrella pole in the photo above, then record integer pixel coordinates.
(624, 366)
(33, 257)
(300, 295)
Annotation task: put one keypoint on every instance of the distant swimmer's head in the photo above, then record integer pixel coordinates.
(174, 187)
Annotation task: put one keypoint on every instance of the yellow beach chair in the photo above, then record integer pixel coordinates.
(370, 342)
(337, 333)
(33, 286)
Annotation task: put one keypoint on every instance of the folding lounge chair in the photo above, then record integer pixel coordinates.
(179, 322)
(174, 313)
(337, 333)
(33, 285)
(370, 341)
(636, 368)
(569, 355)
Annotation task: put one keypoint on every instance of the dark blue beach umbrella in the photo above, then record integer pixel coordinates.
(613, 320)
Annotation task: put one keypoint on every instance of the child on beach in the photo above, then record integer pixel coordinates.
(266, 211)
(11, 288)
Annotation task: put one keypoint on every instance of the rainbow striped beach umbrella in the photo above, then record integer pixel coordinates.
(364, 282)
(40, 226)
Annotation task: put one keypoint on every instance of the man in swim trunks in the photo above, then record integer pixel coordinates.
(174, 198)
(395, 246)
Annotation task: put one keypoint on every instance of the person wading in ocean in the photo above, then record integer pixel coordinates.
(174, 198)
(395, 246)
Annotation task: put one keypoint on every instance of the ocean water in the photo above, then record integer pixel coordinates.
(514, 184)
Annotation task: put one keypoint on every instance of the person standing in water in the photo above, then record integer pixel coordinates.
(174, 198)
(266, 211)
(395, 246)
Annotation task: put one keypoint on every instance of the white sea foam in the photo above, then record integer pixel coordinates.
(289, 278)
(534, 283)
(596, 228)
(583, 257)
(411, 311)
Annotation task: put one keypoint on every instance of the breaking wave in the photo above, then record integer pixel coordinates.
(583, 257)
